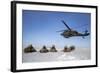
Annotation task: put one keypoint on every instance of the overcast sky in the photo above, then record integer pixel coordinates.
(40, 28)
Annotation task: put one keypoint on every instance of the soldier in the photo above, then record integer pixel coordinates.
(53, 49)
(72, 48)
(44, 50)
(65, 49)
(29, 49)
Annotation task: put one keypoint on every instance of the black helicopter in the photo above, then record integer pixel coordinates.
(72, 33)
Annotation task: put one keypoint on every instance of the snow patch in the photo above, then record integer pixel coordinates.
(77, 54)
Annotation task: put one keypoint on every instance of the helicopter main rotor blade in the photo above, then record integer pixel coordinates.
(60, 30)
(66, 25)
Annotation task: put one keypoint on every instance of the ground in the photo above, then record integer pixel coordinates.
(77, 54)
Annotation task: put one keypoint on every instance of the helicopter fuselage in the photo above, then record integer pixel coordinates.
(72, 33)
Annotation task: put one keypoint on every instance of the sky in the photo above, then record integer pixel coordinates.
(40, 28)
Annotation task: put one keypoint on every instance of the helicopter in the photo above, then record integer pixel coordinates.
(72, 33)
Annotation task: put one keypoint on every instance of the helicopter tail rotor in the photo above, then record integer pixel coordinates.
(86, 31)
